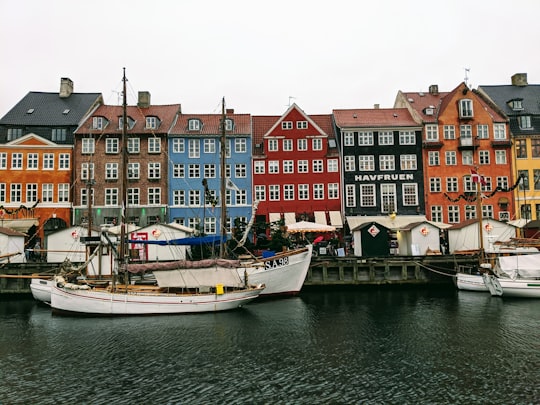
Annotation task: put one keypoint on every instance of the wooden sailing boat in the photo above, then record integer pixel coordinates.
(178, 291)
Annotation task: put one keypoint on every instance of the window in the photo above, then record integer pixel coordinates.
(468, 185)
(301, 124)
(31, 192)
(133, 171)
(535, 148)
(318, 166)
(500, 157)
(367, 195)
(194, 125)
(3, 160)
(499, 131)
(178, 145)
(134, 145)
(194, 198)
(288, 166)
(536, 179)
(260, 193)
(450, 158)
(273, 145)
(449, 132)
(516, 105)
(58, 134)
(453, 214)
(287, 145)
(111, 171)
(229, 124)
(194, 171)
(151, 123)
(465, 135)
(32, 161)
(210, 225)
(286, 125)
(154, 195)
(259, 167)
(88, 146)
(408, 162)
(209, 146)
(333, 191)
(386, 138)
(366, 163)
(387, 162)
(470, 212)
(349, 163)
(288, 192)
(350, 195)
(433, 158)
(241, 197)
(348, 139)
(302, 166)
(16, 161)
(2, 192)
(98, 123)
(410, 194)
(301, 144)
(388, 198)
(483, 157)
(365, 138)
(467, 157)
(14, 133)
(502, 182)
(273, 189)
(332, 165)
(303, 192)
(87, 171)
(435, 184)
(240, 145)
(316, 144)
(407, 138)
(194, 148)
(48, 161)
(524, 183)
(273, 167)
(64, 161)
(154, 170)
(452, 184)
(524, 121)
(436, 213)
(318, 191)
(432, 133)
(482, 131)
(240, 170)
(178, 171)
(111, 196)
(47, 191)
(209, 171)
(63, 192)
(133, 196)
(154, 145)
(465, 108)
(16, 191)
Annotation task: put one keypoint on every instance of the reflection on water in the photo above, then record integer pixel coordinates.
(341, 346)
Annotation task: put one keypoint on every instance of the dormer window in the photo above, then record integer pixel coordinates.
(517, 104)
(465, 108)
(130, 123)
(98, 122)
(229, 124)
(152, 123)
(524, 121)
(430, 110)
(194, 125)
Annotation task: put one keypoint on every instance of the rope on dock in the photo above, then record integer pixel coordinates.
(433, 270)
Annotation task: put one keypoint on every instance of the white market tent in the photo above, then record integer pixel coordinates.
(305, 227)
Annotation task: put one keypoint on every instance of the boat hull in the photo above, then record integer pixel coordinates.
(101, 302)
(470, 282)
(282, 275)
(520, 288)
(41, 289)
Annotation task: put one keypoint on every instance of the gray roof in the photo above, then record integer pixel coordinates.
(50, 110)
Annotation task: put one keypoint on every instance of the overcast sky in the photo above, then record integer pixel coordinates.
(325, 54)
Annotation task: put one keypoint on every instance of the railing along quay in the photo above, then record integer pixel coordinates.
(323, 271)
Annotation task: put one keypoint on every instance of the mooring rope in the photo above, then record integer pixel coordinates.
(433, 270)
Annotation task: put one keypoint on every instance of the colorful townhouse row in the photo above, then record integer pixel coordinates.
(61, 161)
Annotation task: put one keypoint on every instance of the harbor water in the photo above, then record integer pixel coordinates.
(340, 346)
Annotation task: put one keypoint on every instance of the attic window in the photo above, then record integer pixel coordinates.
(151, 122)
(516, 105)
(229, 124)
(194, 125)
(30, 111)
(465, 108)
(66, 111)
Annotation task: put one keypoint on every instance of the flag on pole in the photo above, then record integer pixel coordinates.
(231, 186)
(476, 178)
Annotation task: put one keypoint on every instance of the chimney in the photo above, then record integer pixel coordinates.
(376, 106)
(229, 111)
(519, 79)
(144, 99)
(434, 89)
(66, 87)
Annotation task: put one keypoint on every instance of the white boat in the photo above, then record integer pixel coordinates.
(469, 279)
(41, 289)
(517, 276)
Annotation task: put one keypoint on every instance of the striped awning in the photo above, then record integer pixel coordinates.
(320, 217)
(274, 216)
(335, 219)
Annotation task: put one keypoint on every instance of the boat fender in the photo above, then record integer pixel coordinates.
(71, 286)
(84, 287)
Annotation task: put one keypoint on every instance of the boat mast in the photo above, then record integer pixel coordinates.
(479, 214)
(223, 190)
(123, 191)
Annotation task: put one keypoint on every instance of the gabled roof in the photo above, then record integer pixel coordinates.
(48, 109)
(374, 118)
(211, 124)
(294, 107)
(502, 95)
(165, 113)
(421, 101)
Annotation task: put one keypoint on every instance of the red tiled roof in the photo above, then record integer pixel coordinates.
(375, 117)
(211, 124)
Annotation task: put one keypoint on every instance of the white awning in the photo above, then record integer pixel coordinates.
(274, 216)
(320, 217)
(290, 218)
(335, 219)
